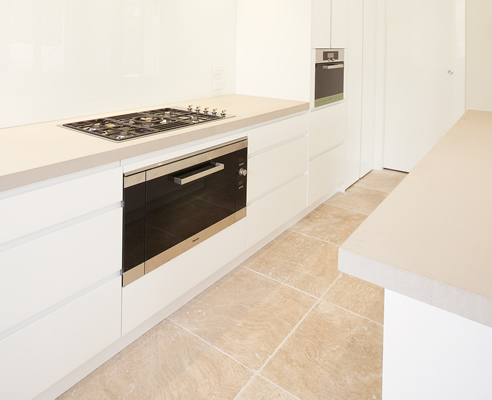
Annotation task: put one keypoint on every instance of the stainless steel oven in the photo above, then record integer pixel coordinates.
(328, 79)
(172, 206)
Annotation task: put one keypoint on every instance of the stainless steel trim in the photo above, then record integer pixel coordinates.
(240, 214)
(319, 55)
(180, 248)
(335, 66)
(132, 180)
(133, 274)
(218, 167)
(223, 148)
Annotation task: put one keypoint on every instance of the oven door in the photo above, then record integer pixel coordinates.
(186, 202)
(328, 83)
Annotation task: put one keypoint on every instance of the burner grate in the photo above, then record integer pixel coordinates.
(135, 125)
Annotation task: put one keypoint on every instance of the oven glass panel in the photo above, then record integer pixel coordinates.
(328, 83)
(177, 212)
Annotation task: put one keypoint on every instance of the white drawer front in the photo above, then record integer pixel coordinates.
(278, 132)
(274, 210)
(275, 167)
(326, 173)
(38, 356)
(327, 128)
(156, 290)
(45, 271)
(32, 211)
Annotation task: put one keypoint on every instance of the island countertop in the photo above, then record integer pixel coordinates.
(36, 152)
(431, 238)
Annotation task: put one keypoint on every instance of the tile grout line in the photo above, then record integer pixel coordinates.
(282, 283)
(351, 312)
(210, 344)
(313, 237)
(258, 372)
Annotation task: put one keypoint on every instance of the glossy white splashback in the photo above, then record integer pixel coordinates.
(70, 58)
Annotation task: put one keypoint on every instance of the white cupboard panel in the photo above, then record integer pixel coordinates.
(278, 132)
(273, 168)
(156, 290)
(327, 128)
(32, 211)
(274, 210)
(39, 274)
(38, 356)
(326, 173)
(321, 15)
(339, 23)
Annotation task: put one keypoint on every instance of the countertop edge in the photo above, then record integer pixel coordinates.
(438, 294)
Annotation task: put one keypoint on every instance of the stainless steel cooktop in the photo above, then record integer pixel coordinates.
(131, 126)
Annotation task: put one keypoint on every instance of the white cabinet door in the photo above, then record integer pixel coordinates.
(274, 168)
(327, 128)
(44, 272)
(321, 24)
(326, 174)
(41, 354)
(274, 210)
(425, 77)
(339, 23)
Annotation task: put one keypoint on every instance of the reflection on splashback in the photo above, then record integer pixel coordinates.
(72, 58)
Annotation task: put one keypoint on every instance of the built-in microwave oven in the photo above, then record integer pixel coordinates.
(172, 206)
(328, 77)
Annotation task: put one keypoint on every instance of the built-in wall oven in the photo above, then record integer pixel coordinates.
(328, 78)
(172, 206)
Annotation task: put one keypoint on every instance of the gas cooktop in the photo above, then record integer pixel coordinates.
(143, 123)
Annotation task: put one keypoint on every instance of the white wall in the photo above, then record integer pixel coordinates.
(273, 48)
(61, 59)
(479, 55)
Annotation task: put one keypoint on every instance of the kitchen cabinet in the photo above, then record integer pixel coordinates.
(362, 60)
(329, 23)
(60, 261)
(425, 77)
(277, 181)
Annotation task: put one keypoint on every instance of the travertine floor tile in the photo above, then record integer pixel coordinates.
(261, 389)
(308, 264)
(165, 363)
(358, 296)
(332, 355)
(329, 223)
(358, 199)
(385, 180)
(245, 315)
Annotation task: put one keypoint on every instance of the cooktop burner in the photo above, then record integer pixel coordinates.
(135, 125)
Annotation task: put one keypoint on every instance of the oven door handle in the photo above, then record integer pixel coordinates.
(333, 66)
(216, 168)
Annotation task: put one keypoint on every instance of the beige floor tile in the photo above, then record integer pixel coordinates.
(261, 389)
(165, 363)
(385, 180)
(245, 315)
(332, 355)
(329, 223)
(358, 296)
(308, 264)
(358, 199)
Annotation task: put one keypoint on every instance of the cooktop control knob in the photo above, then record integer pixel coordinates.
(190, 107)
(197, 109)
(205, 110)
(214, 111)
(223, 113)
(243, 172)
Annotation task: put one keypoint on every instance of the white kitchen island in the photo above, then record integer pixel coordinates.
(429, 244)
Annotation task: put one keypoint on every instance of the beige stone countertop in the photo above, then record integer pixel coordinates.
(431, 238)
(36, 152)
